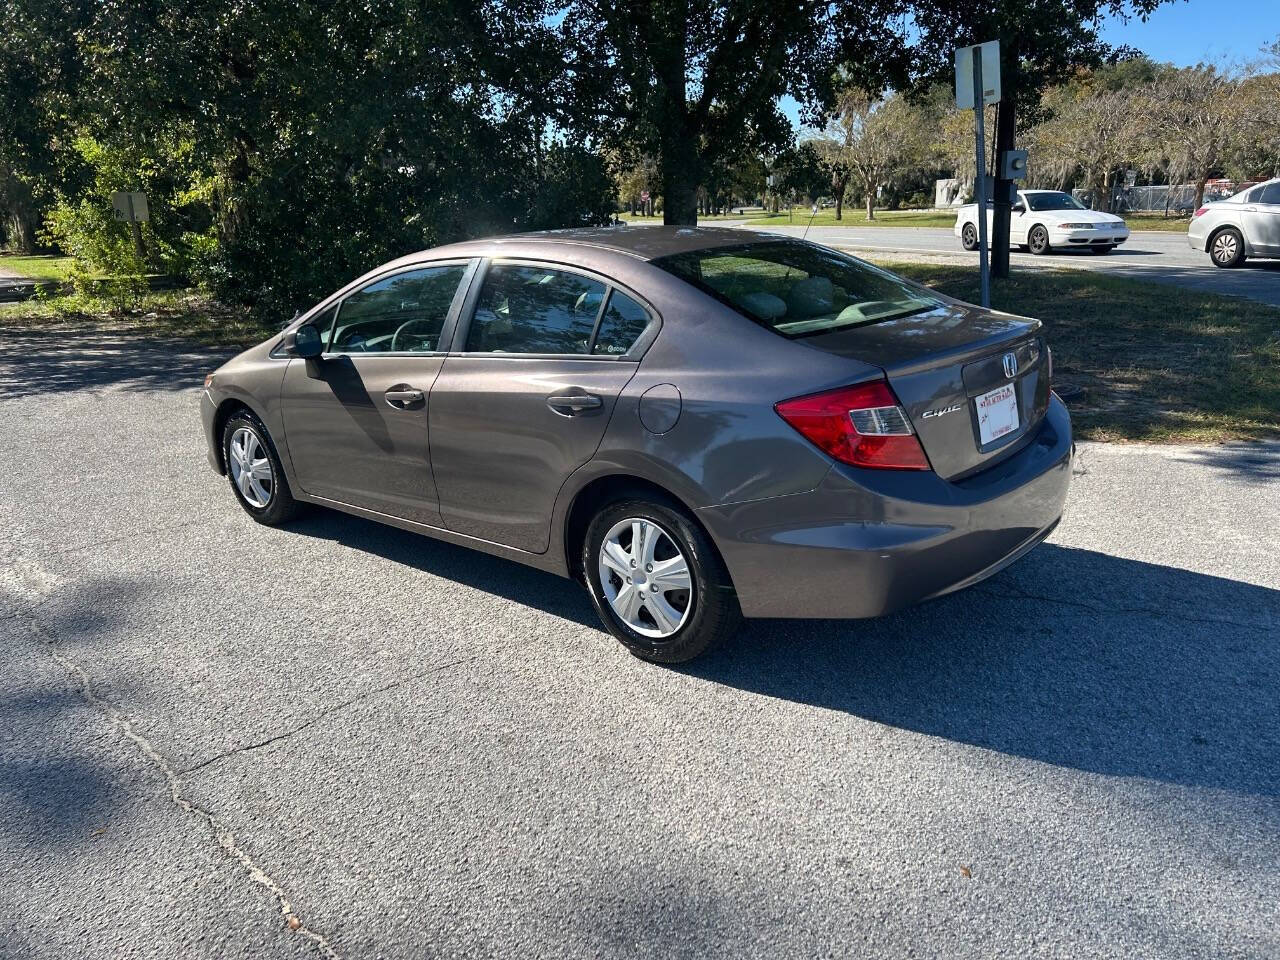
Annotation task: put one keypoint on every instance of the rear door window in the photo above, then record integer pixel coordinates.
(1270, 194)
(533, 309)
(621, 324)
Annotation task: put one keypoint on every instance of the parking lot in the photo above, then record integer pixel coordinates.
(208, 727)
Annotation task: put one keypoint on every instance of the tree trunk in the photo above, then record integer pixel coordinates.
(871, 203)
(1200, 184)
(839, 200)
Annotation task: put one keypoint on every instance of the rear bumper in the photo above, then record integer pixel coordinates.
(865, 543)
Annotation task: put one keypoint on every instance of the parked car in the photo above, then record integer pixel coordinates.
(1241, 226)
(698, 424)
(1046, 219)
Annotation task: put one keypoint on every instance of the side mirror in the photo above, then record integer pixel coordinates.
(1019, 208)
(303, 342)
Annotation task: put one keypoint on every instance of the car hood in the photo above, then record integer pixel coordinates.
(1076, 216)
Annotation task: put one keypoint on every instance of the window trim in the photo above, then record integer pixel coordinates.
(468, 311)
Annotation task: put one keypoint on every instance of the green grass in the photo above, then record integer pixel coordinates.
(1141, 361)
(857, 217)
(1157, 222)
(169, 313)
(36, 267)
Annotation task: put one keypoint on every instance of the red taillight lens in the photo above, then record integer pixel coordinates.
(863, 426)
(1199, 212)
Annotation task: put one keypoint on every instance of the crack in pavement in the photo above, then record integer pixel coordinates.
(222, 835)
(323, 714)
(1141, 611)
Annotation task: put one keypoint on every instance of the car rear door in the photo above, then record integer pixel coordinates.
(1261, 220)
(524, 397)
(356, 418)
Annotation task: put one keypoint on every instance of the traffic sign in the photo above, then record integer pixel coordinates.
(990, 74)
(130, 207)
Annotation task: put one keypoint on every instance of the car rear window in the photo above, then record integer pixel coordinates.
(798, 289)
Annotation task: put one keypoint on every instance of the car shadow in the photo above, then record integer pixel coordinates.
(1070, 657)
(504, 578)
(1254, 463)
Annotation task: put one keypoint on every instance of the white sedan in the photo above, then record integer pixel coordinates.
(1044, 219)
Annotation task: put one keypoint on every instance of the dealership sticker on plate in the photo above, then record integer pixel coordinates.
(997, 413)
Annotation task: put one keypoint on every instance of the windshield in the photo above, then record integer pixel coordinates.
(1053, 201)
(798, 289)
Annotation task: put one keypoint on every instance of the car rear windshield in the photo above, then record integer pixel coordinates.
(798, 289)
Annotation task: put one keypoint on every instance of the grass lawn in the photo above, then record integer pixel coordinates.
(169, 313)
(857, 217)
(1138, 221)
(36, 268)
(1141, 361)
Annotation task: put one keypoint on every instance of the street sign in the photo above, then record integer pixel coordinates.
(990, 74)
(130, 207)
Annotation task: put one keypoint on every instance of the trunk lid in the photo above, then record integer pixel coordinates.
(950, 370)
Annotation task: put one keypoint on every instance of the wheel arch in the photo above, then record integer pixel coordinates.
(1222, 228)
(224, 412)
(605, 489)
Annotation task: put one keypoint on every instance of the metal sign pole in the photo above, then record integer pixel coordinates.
(981, 179)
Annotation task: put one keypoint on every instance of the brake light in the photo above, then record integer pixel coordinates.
(863, 426)
(1202, 210)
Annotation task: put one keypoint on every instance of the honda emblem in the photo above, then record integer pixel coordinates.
(1010, 365)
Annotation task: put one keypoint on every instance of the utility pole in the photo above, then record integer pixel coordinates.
(1001, 210)
(980, 181)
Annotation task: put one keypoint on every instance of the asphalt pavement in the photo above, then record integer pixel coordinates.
(209, 728)
(1150, 255)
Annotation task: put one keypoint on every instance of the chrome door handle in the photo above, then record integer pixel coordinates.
(400, 398)
(569, 404)
(1250, 209)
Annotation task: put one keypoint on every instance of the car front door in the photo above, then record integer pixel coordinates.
(1018, 221)
(1261, 220)
(524, 398)
(356, 418)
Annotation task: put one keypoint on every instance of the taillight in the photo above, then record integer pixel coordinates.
(1199, 212)
(863, 426)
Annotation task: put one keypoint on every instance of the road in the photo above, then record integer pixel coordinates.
(1148, 255)
(415, 750)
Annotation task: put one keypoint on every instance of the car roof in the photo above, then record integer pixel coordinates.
(642, 243)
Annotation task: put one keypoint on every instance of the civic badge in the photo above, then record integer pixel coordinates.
(1010, 365)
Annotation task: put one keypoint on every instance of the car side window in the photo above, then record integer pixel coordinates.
(402, 313)
(1254, 196)
(621, 324)
(1270, 194)
(525, 309)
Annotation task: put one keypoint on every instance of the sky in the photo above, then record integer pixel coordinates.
(1183, 32)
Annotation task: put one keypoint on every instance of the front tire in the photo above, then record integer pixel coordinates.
(1226, 250)
(254, 469)
(969, 237)
(657, 581)
(1038, 241)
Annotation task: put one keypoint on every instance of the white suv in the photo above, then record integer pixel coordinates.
(1245, 225)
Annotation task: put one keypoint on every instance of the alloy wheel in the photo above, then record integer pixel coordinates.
(1039, 240)
(645, 578)
(250, 468)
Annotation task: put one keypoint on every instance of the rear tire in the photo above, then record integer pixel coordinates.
(262, 489)
(689, 615)
(1038, 241)
(1226, 249)
(969, 237)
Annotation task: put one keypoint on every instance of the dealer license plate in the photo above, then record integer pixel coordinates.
(997, 413)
